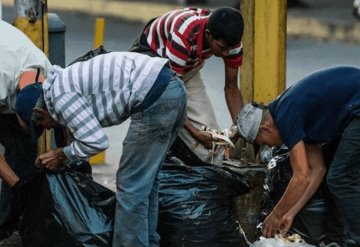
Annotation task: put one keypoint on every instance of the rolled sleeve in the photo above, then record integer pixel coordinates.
(89, 136)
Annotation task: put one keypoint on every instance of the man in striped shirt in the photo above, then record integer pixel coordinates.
(105, 91)
(187, 37)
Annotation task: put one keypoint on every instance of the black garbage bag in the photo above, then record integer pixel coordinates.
(90, 54)
(64, 208)
(196, 205)
(309, 223)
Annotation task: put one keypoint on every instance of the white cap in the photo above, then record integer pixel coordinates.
(248, 121)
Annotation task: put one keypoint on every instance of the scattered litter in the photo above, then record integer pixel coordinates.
(293, 240)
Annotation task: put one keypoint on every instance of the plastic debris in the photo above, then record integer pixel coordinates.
(293, 240)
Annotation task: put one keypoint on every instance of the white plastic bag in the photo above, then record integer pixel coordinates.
(278, 242)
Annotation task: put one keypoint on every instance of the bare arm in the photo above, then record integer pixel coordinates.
(233, 95)
(296, 188)
(317, 173)
(203, 138)
(6, 173)
(52, 159)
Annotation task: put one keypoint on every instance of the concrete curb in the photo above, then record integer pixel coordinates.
(328, 30)
(131, 11)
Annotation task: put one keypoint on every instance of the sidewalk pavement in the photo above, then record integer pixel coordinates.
(328, 20)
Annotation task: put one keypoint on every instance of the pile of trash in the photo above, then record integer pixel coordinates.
(293, 240)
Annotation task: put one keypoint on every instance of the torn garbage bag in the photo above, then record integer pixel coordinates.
(64, 208)
(196, 205)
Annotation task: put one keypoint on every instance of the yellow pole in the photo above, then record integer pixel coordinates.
(31, 18)
(98, 41)
(263, 74)
(99, 32)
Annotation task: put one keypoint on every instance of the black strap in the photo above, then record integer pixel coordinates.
(37, 74)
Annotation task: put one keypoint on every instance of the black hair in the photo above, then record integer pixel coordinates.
(226, 23)
(40, 103)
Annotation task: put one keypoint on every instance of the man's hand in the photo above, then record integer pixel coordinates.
(203, 138)
(288, 219)
(272, 225)
(52, 159)
(6, 173)
(200, 136)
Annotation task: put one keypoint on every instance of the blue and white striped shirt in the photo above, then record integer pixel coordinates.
(100, 92)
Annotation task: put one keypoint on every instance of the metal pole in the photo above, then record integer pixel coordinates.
(263, 73)
(99, 32)
(98, 41)
(31, 18)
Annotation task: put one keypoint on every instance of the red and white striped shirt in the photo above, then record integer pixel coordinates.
(178, 36)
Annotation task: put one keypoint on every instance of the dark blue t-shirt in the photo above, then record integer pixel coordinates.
(318, 107)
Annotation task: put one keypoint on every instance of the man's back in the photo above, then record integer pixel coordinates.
(179, 36)
(111, 84)
(17, 55)
(317, 107)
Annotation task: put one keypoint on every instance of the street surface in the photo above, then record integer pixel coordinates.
(303, 56)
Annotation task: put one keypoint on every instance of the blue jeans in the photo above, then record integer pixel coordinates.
(344, 178)
(149, 137)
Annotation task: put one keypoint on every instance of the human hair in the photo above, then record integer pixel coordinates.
(40, 103)
(266, 115)
(226, 23)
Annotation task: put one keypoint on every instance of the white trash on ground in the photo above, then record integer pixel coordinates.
(290, 241)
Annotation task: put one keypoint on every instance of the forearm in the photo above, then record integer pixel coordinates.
(309, 192)
(6, 173)
(299, 182)
(191, 128)
(317, 173)
(89, 136)
(200, 136)
(233, 95)
(234, 101)
(290, 200)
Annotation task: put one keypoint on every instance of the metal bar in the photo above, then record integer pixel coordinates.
(263, 73)
(99, 32)
(98, 41)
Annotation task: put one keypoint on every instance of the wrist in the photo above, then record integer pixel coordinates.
(195, 132)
